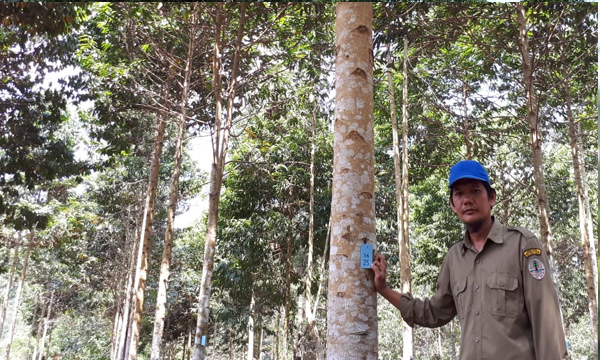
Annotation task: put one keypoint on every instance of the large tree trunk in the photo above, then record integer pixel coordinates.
(352, 334)
(10, 283)
(165, 265)
(143, 247)
(222, 130)
(17, 299)
(588, 256)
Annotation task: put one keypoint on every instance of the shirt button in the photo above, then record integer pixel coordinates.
(477, 313)
(477, 261)
(501, 283)
(476, 339)
(476, 286)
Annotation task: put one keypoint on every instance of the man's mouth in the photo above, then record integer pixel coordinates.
(469, 211)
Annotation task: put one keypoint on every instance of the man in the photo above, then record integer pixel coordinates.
(497, 279)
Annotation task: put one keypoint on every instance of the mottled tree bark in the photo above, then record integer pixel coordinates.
(352, 300)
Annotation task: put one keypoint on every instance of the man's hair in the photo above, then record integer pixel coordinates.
(488, 188)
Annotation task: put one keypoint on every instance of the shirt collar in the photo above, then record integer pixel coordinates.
(494, 235)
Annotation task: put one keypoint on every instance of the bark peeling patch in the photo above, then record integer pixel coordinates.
(362, 30)
(359, 73)
(366, 195)
(354, 136)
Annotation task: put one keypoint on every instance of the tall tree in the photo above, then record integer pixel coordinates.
(161, 298)
(351, 299)
(220, 142)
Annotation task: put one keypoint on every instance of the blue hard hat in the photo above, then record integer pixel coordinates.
(468, 169)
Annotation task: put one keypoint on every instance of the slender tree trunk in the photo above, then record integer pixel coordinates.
(588, 211)
(466, 125)
(143, 247)
(36, 310)
(536, 146)
(535, 135)
(310, 314)
(352, 300)
(9, 284)
(17, 299)
(288, 296)
(125, 318)
(405, 278)
(585, 239)
(401, 179)
(42, 349)
(261, 334)
(161, 297)
(221, 135)
(277, 332)
(231, 343)
(36, 348)
(251, 327)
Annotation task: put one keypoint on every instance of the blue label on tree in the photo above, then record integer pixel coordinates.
(366, 256)
(203, 340)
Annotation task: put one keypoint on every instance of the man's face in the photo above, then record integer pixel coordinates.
(471, 202)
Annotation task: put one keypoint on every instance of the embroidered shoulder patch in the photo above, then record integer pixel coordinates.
(532, 251)
(537, 269)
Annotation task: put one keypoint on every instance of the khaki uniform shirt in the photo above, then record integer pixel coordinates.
(504, 297)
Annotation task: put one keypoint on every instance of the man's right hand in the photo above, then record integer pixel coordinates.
(379, 267)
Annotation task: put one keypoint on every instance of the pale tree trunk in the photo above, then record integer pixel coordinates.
(38, 336)
(231, 343)
(222, 130)
(466, 124)
(310, 314)
(536, 141)
(34, 320)
(352, 300)
(250, 355)
(276, 335)
(42, 348)
(588, 257)
(10, 283)
(288, 296)
(405, 278)
(165, 265)
(122, 335)
(143, 246)
(401, 179)
(261, 335)
(588, 211)
(17, 299)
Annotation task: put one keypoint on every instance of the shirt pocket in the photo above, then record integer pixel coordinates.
(503, 297)
(460, 297)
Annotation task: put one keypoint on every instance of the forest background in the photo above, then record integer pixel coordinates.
(95, 167)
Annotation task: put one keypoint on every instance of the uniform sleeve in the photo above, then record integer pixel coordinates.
(434, 312)
(541, 301)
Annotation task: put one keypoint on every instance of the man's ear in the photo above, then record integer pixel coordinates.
(492, 199)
